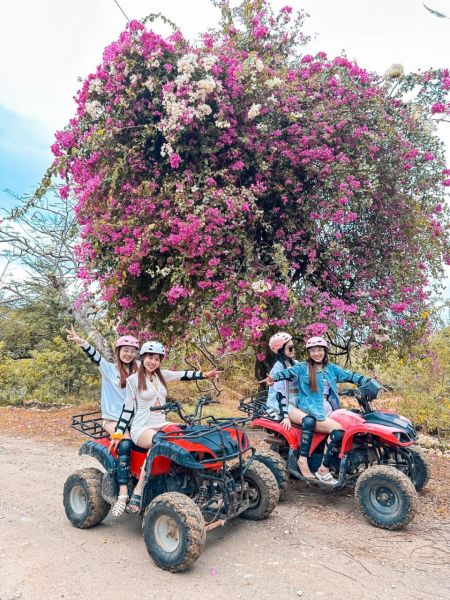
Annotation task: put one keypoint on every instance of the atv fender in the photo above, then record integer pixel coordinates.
(173, 452)
(383, 433)
(101, 453)
(292, 436)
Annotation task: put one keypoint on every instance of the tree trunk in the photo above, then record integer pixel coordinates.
(100, 342)
(81, 318)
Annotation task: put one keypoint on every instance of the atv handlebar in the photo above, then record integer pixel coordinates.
(177, 407)
(366, 393)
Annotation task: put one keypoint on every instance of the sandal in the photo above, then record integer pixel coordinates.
(134, 506)
(120, 506)
(326, 478)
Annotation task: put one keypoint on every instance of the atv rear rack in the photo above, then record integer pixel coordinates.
(90, 425)
(255, 404)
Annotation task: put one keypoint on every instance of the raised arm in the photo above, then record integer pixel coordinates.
(106, 368)
(285, 374)
(189, 375)
(342, 375)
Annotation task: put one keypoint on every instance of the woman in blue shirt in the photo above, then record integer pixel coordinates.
(318, 393)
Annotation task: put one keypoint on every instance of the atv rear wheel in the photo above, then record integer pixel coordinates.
(174, 531)
(263, 490)
(277, 465)
(83, 500)
(387, 497)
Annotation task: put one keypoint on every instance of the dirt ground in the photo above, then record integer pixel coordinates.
(315, 544)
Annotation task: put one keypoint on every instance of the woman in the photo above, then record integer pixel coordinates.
(282, 399)
(318, 394)
(114, 377)
(145, 389)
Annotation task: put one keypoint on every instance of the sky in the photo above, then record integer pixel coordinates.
(46, 46)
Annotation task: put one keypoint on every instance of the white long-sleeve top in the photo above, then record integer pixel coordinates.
(287, 391)
(112, 395)
(136, 409)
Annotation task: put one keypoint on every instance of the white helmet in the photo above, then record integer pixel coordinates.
(153, 348)
(316, 341)
(278, 340)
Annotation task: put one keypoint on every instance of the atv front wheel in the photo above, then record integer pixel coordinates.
(277, 465)
(387, 497)
(174, 531)
(83, 500)
(263, 491)
(422, 467)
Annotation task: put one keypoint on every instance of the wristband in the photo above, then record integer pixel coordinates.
(117, 436)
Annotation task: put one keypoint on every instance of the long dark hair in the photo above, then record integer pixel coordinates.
(312, 370)
(284, 360)
(125, 369)
(142, 376)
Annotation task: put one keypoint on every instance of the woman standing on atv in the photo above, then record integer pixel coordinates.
(145, 389)
(114, 376)
(283, 395)
(318, 393)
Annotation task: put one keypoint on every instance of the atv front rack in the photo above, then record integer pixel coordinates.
(90, 425)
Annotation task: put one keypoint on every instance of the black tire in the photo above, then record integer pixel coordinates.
(263, 488)
(83, 500)
(174, 531)
(278, 466)
(387, 497)
(422, 468)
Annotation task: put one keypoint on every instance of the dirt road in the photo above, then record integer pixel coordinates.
(314, 546)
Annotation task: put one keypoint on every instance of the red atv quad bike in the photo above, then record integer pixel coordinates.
(199, 475)
(377, 453)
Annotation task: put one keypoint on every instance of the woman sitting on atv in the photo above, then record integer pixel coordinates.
(114, 376)
(283, 396)
(318, 394)
(145, 389)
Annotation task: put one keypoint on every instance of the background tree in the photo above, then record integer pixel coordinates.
(40, 287)
(240, 186)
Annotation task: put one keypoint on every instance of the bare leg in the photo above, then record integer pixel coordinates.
(145, 440)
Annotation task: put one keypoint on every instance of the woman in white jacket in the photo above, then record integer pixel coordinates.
(145, 389)
(114, 376)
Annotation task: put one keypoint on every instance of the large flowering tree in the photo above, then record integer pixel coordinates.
(243, 184)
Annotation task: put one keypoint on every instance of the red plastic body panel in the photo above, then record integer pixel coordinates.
(382, 432)
(292, 436)
(351, 422)
(161, 465)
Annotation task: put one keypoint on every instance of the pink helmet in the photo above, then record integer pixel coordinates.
(316, 341)
(278, 340)
(127, 340)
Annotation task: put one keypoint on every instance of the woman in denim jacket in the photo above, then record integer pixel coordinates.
(282, 399)
(318, 396)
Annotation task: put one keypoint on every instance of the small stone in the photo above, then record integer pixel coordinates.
(299, 593)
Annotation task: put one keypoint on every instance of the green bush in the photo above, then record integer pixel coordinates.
(57, 374)
(421, 383)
